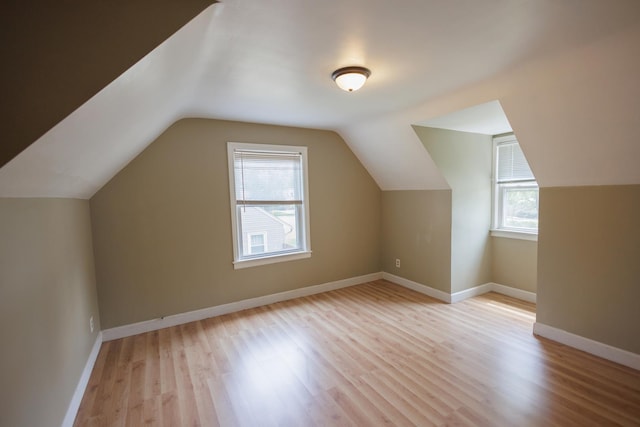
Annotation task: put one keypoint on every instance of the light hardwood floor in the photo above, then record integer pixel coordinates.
(373, 354)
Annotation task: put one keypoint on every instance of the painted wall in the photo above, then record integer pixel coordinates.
(514, 263)
(162, 226)
(576, 115)
(80, 46)
(465, 159)
(588, 269)
(416, 228)
(47, 294)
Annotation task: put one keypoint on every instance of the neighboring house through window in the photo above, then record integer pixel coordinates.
(257, 243)
(515, 201)
(269, 203)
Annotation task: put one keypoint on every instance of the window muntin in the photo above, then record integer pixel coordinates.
(269, 198)
(515, 189)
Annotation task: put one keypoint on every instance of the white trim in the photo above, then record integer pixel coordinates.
(471, 292)
(418, 287)
(590, 346)
(510, 137)
(510, 234)
(253, 262)
(514, 292)
(461, 295)
(205, 313)
(76, 399)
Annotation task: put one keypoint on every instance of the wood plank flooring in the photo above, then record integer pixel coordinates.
(368, 355)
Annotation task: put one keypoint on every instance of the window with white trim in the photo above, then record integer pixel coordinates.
(515, 201)
(269, 203)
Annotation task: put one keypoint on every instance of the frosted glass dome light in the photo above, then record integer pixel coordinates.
(350, 79)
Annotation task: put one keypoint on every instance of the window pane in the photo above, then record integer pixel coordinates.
(269, 229)
(520, 207)
(264, 176)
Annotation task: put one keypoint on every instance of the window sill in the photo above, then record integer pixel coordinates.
(510, 234)
(245, 263)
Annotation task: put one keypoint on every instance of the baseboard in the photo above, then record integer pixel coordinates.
(461, 295)
(76, 399)
(418, 287)
(514, 292)
(494, 287)
(471, 292)
(205, 313)
(605, 351)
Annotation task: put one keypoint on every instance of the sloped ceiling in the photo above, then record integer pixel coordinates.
(57, 55)
(487, 119)
(270, 62)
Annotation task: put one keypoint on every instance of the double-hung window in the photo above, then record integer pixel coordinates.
(269, 203)
(515, 189)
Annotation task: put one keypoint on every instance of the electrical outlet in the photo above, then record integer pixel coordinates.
(398, 262)
(91, 323)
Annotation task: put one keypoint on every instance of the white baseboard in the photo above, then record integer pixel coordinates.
(76, 399)
(471, 292)
(418, 287)
(514, 292)
(493, 287)
(461, 295)
(205, 313)
(596, 348)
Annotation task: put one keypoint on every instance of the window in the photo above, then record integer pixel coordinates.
(515, 189)
(269, 203)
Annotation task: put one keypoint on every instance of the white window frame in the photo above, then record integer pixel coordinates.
(304, 227)
(497, 192)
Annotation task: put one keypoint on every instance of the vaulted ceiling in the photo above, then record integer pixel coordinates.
(57, 55)
(564, 71)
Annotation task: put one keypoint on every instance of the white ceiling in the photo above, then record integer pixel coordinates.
(270, 62)
(487, 119)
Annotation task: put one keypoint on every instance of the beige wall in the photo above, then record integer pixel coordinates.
(47, 294)
(472, 257)
(514, 263)
(162, 226)
(464, 159)
(416, 228)
(588, 263)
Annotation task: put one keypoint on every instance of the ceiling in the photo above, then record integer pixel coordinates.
(487, 119)
(58, 55)
(271, 62)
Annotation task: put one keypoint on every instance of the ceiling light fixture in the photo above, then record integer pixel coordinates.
(351, 78)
